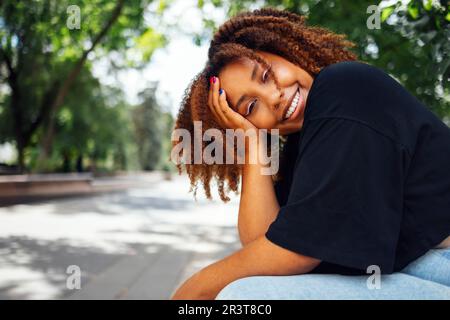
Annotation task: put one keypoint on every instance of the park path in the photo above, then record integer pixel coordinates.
(140, 243)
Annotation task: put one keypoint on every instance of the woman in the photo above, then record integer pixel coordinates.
(364, 182)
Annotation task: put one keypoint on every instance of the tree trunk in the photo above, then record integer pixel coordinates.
(47, 140)
(16, 110)
(79, 164)
(21, 158)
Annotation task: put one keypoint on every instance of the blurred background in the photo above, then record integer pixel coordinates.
(90, 205)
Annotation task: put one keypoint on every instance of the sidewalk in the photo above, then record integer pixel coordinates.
(140, 243)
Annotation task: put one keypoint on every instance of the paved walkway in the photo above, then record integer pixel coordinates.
(137, 244)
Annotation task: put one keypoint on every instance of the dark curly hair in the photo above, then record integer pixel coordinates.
(268, 29)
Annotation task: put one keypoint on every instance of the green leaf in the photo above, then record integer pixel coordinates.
(413, 11)
(216, 3)
(386, 12)
(148, 42)
(197, 40)
(162, 5)
(428, 5)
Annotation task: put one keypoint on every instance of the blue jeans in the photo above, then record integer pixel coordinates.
(428, 277)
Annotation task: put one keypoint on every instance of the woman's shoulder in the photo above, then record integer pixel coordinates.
(360, 91)
(350, 70)
(345, 88)
(347, 79)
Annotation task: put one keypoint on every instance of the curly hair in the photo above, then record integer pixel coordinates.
(267, 29)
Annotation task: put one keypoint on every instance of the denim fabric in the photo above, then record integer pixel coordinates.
(428, 277)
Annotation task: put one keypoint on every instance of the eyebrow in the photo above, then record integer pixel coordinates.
(255, 68)
(252, 78)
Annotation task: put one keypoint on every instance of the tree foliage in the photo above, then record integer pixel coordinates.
(41, 58)
(412, 43)
(151, 124)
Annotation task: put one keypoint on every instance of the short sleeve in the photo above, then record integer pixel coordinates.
(345, 202)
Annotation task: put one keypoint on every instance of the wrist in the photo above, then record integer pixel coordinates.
(254, 153)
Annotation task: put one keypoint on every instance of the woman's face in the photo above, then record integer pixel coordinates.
(252, 92)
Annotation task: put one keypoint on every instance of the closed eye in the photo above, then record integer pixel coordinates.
(266, 74)
(250, 107)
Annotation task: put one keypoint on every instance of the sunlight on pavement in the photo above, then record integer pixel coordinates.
(38, 241)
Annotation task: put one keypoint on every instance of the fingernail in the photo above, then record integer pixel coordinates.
(214, 79)
(211, 80)
(220, 91)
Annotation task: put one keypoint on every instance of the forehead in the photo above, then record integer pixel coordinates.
(236, 68)
(235, 77)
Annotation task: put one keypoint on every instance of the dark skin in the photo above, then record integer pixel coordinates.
(258, 206)
(264, 105)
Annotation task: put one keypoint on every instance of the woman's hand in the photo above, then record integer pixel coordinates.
(224, 115)
(227, 118)
(260, 257)
(192, 289)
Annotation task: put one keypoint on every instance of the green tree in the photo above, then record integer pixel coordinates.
(426, 25)
(93, 128)
(152, 128)
(412, 43)
(41, 57)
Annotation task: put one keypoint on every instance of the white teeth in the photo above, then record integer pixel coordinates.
(293, 105)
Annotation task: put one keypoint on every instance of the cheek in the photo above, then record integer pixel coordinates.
(263, 119)
(285, 75)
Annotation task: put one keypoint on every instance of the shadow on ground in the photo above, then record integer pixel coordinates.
(139, 244)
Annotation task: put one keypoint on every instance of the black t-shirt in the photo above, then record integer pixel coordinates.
(369, 182)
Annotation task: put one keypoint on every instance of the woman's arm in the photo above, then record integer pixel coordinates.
(444, 244)
(260, 257)
(258, 205)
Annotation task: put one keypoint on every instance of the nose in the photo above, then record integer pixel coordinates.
(273, 97)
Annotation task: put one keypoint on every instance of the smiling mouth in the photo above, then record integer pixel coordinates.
(295, 103)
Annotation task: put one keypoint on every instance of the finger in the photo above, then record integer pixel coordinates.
(215, 94)
(231, 115)
(223, 109)
(223, 104)
(215, 98)
(226, 110)
(211, 106)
